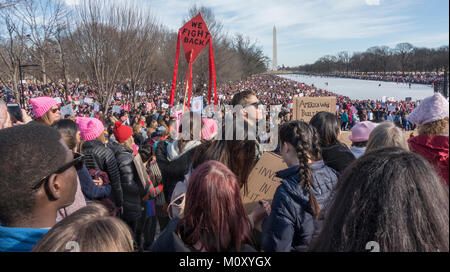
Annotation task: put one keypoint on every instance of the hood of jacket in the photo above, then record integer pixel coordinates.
(431, 147)
(173, 151)
(323, 181)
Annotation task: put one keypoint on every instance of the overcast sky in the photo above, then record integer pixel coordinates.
(310, 29)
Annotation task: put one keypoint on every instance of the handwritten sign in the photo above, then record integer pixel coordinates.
(262, 182)
(194, 36)
(306, 107)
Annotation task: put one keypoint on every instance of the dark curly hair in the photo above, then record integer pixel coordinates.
(27, 153)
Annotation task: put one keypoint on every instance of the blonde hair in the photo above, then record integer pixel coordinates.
(128, 143)
(386, 134)
(438, 127)
(92, 229)
(45, 119)
(137, 128)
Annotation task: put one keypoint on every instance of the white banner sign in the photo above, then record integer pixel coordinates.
(197, 104)
(67, 110)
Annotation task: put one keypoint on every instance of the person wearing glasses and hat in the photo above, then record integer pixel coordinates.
(46, 110)
(38, 176)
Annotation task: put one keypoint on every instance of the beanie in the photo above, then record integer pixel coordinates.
(122, 132)
(42, 104)
(90, 128)
(431, 109)
(209, 129)
(361, 131)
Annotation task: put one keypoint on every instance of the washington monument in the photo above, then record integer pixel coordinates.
(274, 60)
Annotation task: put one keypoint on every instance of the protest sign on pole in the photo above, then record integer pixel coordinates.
(262, 182)
(195, 36)
(67, 110)
(197, 104)
(306, 107)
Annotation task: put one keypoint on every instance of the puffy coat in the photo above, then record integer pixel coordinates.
(102, 158)
(337, 156)
(435, 150)
(132, 187)
(134, 192)
(290, 225)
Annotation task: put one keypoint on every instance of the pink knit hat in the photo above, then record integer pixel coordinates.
(431, 109)
(361, 131)
(209, 129)
(42, 104)
(90, 128)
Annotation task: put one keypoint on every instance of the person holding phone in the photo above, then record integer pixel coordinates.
(11, 114)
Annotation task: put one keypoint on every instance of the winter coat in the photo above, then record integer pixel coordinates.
(290, 225)
(172, 171)
(89, 189)
(19, 239)
(337, 156)
(102, 158)
(344, 117)
(169, 241)
(132, 187)
(435, 150)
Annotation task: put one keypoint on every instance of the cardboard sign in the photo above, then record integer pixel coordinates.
(306, 107)
(194, 35)
(67, 110)
(262, 182)
(197, 104)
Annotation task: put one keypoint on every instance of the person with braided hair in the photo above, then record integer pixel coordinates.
(296, 212)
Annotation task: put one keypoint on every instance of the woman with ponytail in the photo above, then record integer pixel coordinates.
(297, 207)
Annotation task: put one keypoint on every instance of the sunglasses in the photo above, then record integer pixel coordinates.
(56, 110)
(77, 162)
(256, 104)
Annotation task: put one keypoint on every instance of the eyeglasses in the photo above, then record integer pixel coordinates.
(56, 110)
(77, 162)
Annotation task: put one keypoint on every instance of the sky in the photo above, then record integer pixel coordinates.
(310, 29)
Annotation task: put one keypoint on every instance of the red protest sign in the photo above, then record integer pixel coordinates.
(194, 36)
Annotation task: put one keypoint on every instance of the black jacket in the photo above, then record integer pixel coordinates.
(102, 158)
(337, 157)
(172, 171)
(132, 187)
(169, 241)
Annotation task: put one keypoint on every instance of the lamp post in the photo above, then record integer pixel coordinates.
(22, 100)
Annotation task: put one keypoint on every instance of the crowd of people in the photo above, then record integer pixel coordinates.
(409, 78)
(118, 175)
